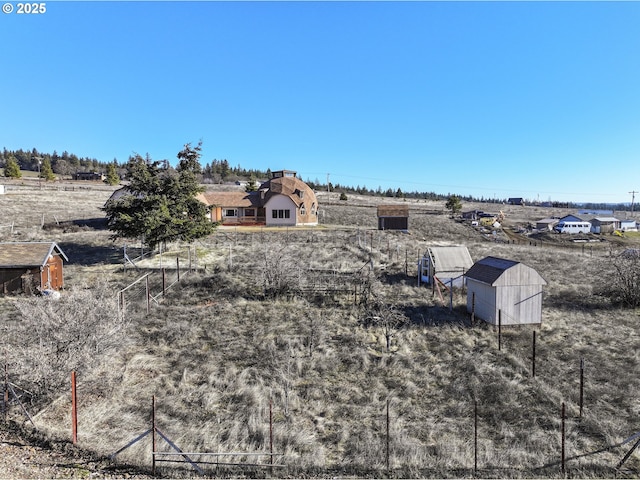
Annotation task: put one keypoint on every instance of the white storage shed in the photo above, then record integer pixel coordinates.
(505, 291)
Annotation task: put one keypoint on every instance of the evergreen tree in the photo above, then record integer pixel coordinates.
(12, 169)
(112, 175)
(453, 204)
(47, 172)
(252, 186)
(160, 204)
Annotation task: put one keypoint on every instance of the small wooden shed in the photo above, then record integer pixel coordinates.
(393, 217)
(447, 263)
(28, 267)
(504, 291)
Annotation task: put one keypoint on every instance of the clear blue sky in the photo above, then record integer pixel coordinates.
(497, 99)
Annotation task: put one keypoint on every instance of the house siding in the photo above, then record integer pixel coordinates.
(280, 202)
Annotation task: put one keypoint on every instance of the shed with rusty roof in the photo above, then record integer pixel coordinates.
(393, 217)
(504, 291)
(27, 267)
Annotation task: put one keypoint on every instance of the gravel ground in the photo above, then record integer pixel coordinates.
(24, 458)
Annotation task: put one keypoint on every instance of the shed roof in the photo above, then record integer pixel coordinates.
(393, 210)
(604, 219)
(28, 254)
(451, 258)
(491, 270)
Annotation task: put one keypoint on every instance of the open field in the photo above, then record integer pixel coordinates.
(279, 324)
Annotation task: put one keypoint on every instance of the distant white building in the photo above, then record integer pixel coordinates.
(628, 226)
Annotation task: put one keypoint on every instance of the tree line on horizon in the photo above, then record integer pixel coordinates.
(220, 171)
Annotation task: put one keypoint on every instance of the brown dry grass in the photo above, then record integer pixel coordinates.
(218, 350)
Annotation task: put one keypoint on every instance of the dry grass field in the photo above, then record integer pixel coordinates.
(277, 326)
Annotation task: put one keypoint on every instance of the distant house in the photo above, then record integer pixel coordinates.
(472, 214)
(393, 217)
(283, 200)
(604, 224)
(446, 263)
(516, 201)
(504, 291)
(27, 267)
(546, 224)
(628, 226)
(90, 176)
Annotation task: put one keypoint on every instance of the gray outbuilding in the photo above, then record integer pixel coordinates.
(504, 291)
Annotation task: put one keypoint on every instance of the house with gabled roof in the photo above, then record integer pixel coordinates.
(504, 291)
(283, 200)
(28, 267)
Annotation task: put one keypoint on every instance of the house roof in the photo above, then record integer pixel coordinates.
(230, 199)
(492, 270)
(28, 254)
(292, 187)
(548, 220)
(571, 218)
(605, 219)
(393, 210)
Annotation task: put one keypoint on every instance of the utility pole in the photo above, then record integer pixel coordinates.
(328, 190)
(633, 197)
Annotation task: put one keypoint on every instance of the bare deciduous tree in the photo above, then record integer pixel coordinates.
(280, 273)
(55, 336)
(625, 283)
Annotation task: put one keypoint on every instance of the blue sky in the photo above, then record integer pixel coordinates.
(496, 99)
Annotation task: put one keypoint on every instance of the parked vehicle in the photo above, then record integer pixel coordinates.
(573, 227)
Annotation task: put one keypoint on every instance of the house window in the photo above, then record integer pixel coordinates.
(249, 212)
(301, 194)
(303, 210)
(280, 213)
(231, 212)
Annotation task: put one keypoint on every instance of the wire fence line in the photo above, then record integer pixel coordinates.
(156, 272)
